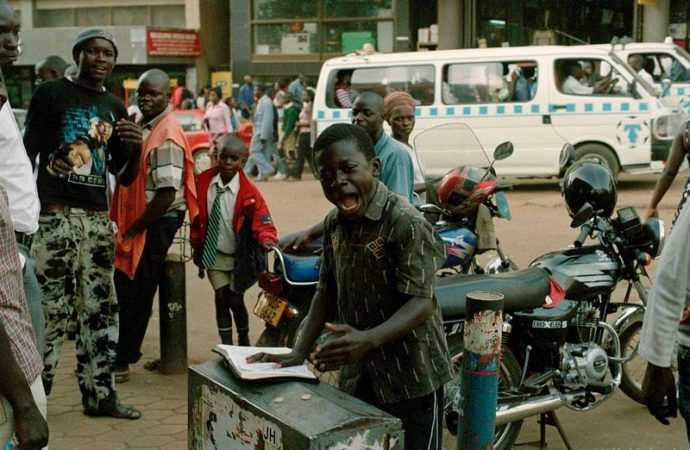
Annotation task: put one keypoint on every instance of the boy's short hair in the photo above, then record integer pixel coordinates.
(231, 141)
(346, 132)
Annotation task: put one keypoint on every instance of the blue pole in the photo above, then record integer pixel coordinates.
(480, 370)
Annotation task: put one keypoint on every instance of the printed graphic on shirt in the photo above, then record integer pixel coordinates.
(85, 140)
(376, 247)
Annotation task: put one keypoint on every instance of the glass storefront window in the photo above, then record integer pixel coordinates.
(285, 39)
(358, 8)
(281, 9)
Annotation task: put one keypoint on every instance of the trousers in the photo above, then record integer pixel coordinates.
(74, 256)
(135, 297)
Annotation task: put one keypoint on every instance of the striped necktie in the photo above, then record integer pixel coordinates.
(209, 255)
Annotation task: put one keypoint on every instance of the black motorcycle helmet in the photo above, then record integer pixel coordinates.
(588, 181)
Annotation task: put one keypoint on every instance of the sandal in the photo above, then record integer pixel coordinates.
(120, 411)
(121, 375)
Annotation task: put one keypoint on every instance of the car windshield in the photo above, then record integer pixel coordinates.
(641, 83)
(189, 122)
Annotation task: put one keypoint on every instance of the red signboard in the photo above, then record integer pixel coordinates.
(172, 42)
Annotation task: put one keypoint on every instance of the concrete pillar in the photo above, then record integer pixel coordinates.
(449, 24)
(655, 27)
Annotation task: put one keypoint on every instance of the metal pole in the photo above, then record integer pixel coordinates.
(480, 370)
(173, 316)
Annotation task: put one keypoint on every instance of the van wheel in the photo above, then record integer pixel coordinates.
(202, 160)
(600, 154)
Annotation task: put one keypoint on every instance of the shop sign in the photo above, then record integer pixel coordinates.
(172, 42)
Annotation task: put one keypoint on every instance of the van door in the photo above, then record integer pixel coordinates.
(504, 100)
(598, 114)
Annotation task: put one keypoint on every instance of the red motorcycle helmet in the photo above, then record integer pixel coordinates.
(463, 189)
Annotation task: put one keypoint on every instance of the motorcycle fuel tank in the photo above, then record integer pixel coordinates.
(582, 272)
(461, 244)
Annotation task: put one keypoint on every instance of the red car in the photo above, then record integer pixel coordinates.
(192, 121)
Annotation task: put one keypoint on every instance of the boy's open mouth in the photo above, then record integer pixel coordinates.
(349, 202)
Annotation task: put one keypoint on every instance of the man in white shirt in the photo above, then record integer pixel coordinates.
(16, 175)
(572, 85)
(636, 63)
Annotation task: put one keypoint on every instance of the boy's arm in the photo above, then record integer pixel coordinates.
(354, 344)
(262, 224)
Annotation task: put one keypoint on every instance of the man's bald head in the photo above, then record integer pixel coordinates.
(158, 78)
(50, 68)
(153, 93)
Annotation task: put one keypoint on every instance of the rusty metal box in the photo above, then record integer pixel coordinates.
(231, 414)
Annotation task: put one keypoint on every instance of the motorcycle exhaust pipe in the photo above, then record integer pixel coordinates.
(510, 412)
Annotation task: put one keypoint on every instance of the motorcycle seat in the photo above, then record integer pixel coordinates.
(302, 268)
(522, 290)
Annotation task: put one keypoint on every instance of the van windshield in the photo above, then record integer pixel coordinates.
(641, 83)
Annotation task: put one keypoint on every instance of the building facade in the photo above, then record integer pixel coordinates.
(186, 38)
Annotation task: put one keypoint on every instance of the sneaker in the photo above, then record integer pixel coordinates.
(279, 177)
(260, 178)
(291, 178)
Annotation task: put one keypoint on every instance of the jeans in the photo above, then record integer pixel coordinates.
(135, 297)
(34, 298)
(260, 156)
(684, 385)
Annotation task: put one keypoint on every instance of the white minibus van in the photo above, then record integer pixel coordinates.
(624, 125)
(667, 63)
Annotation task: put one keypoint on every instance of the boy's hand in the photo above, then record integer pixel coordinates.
(350, 346)
(283, 360)
(296, 240)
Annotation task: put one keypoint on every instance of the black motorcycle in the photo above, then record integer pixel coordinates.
(558, 347)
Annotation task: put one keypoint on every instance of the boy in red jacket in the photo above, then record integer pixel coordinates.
(233, 229)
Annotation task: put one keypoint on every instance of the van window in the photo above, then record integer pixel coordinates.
(489, 82)
(665, 65)
(590, 77)
(345, 84)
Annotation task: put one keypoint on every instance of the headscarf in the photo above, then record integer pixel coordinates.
(395, 100)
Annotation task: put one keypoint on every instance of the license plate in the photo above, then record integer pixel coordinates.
(270, 307)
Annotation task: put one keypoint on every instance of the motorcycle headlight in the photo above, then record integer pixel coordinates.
(655, 235)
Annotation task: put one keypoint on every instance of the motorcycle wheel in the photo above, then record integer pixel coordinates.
(634, 369)
(506, 435)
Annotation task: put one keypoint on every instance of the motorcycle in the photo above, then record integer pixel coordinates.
(464, 202)
(558, 348)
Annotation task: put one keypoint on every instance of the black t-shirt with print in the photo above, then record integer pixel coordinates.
(63, 113)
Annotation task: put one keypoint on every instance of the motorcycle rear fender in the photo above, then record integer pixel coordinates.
(632, 314)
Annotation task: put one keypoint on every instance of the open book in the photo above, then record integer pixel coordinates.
(236, 357)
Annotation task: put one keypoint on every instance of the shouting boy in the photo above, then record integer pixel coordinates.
(379, 261)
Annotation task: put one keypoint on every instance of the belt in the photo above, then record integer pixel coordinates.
(54, 208)
(24, 239)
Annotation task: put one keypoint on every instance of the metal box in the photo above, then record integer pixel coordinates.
(228, 413)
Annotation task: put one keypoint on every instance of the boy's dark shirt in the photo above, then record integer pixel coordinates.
(61, 112)
(370, 267)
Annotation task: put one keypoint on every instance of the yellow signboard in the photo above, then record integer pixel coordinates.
(224, 81)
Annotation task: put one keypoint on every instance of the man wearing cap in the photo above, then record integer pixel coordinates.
(79, 130)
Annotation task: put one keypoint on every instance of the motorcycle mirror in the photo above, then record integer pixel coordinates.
(582, 215)
(503, 151)
(567, 156)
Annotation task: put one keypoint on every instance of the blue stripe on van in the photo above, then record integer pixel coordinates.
(625, 106)
(483, 110)
(589, 107)
(450, 111)
(466, 111)
(517, 109)
(570, 107)
(644, 107)
(534, 109)
(433, 112)
(336, 114)
(681, 91)
(418, 112)
(321, 115)
(606, 107)
(500, 109)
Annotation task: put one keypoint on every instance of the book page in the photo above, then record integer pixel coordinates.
(236, 356)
